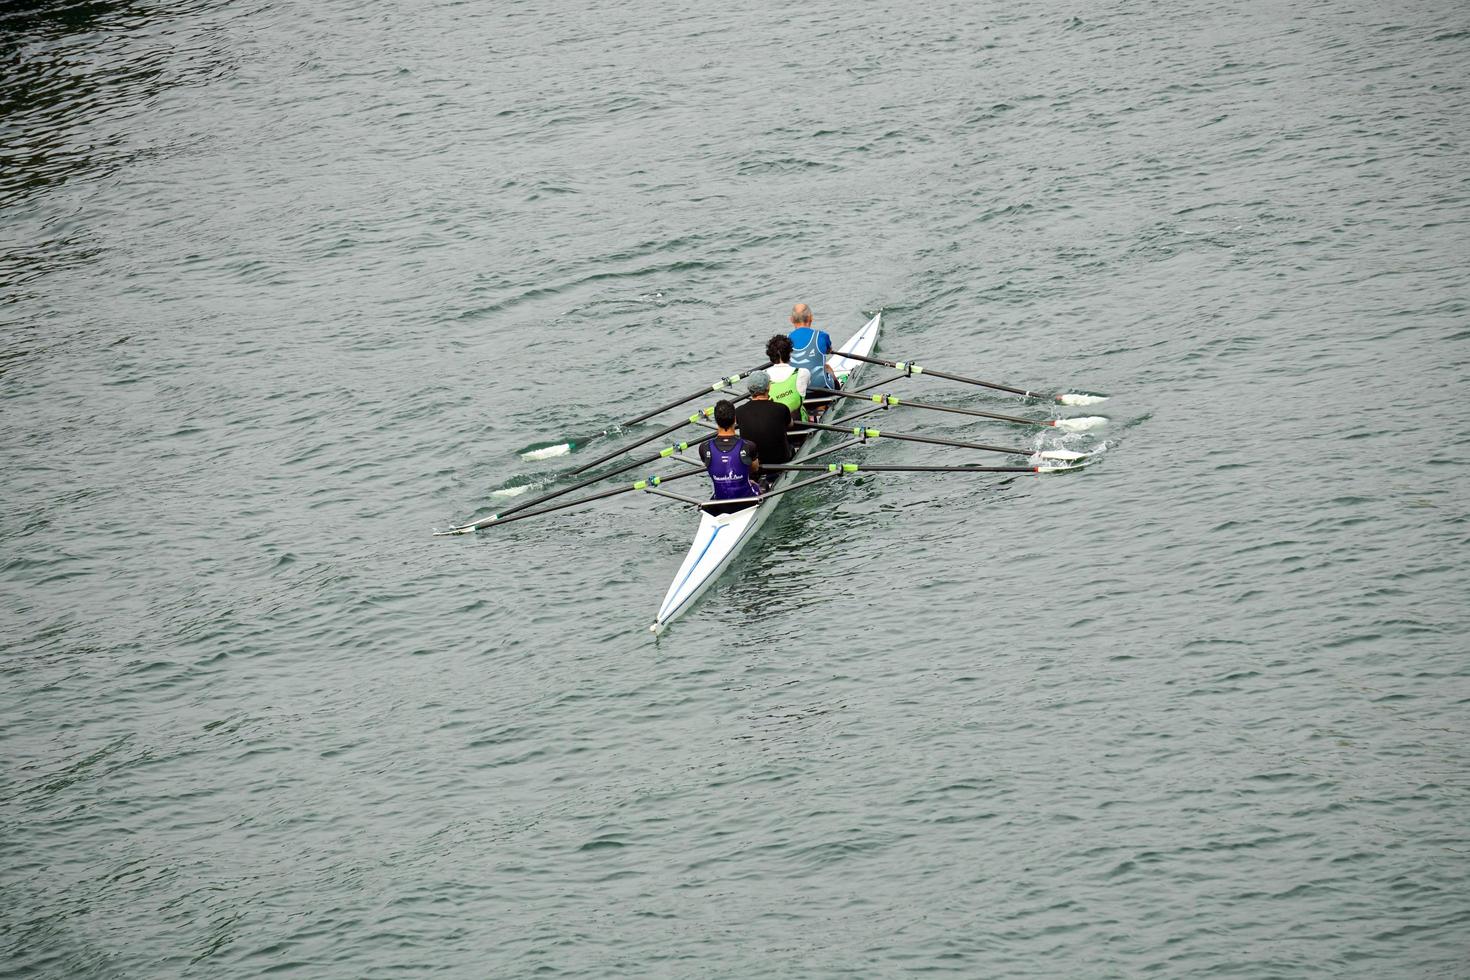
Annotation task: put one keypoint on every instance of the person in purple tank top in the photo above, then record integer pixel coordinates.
(731, 461)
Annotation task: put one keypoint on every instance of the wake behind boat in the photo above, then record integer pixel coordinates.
(726, 526)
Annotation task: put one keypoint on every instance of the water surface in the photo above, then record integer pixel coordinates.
(286, 286)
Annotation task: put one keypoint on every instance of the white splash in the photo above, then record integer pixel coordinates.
(511, 491)
(1072, 398)
(548, 452)
(1081, 423)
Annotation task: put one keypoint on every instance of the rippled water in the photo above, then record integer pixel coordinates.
(288, 285)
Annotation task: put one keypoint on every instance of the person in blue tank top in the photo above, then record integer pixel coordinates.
(731, 461)
(811, 350)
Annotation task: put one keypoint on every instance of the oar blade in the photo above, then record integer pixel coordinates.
(518, 490)
(1082, 423)
(1080, 398)
(551, 451)
(452, 531)
(1064, 455)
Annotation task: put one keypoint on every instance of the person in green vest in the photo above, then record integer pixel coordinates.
(788, 384)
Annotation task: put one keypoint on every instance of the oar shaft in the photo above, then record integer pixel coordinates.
(953, 410)
(641, 442)
(862, 433)
(909, 366)
(827, 474)
(881, 383)
(581, 484)
(881, 468)
(495, 519)
(717, 386)
(847, 420)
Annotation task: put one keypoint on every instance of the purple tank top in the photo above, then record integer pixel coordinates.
(730, 473)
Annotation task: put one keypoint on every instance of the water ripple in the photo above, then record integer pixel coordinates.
(287, 286)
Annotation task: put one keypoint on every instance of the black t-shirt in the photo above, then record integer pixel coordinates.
(764, 422)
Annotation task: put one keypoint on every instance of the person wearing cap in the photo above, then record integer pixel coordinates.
(810, 353)
(765, 422)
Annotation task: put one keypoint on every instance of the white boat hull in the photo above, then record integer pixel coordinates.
(721, 536)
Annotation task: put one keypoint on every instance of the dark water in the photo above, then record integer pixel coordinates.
(287, 285)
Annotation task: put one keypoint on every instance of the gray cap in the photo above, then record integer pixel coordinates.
(759, 382)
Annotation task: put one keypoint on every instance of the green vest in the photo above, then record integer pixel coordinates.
(787, 394)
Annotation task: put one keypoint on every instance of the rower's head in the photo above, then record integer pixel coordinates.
(801, 315)
(725, 416)
(778, 349)
(759, 385)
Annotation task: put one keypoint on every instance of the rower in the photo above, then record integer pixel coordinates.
(730, 460)
(764, 422)
(811, 350)
(788, 383)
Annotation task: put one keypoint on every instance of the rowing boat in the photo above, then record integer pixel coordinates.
(721, 536)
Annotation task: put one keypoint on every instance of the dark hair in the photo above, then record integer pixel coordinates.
(725, 413)
(778, 349)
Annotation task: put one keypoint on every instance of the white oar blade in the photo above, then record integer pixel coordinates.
(1076, 398)
(450, 532)
(548, 452)
(1065, 455)
(1081, 423)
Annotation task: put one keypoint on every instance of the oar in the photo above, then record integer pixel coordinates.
(862, 433)
(1070, 425)
(911, 368)
(880, 383)
(537, 451)
(866, 468)
(702, 413)
(717, 386)
(707, 504)
(547, 450)
(664, 453)
(497, 519)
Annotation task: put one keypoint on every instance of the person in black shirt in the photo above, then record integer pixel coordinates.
(765, 422)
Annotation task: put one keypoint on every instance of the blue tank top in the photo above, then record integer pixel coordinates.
(730, 473)
(809, 349)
